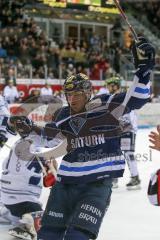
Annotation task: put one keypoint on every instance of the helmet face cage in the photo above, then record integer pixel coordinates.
(79, 82)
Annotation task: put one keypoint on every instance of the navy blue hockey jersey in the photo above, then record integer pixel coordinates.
(93, 147)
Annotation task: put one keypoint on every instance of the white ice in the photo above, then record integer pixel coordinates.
(130, 215)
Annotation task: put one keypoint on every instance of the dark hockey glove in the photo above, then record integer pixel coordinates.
(3, 138)
(143, 54)
(22, 124)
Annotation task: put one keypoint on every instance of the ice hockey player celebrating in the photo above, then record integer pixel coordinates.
(128, 138)
(21, 185)
(78, 202)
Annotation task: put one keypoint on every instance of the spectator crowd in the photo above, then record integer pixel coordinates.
(146, 10)
(25, 48)
(26, 51)
(151, 10)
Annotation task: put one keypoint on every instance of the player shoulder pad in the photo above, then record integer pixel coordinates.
(102, 97)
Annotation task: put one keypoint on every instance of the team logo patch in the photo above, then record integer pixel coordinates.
(76, 124)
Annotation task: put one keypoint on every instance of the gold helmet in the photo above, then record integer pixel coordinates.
(78, 82)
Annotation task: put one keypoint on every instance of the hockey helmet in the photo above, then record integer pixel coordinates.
(114, 80)
(78, 82)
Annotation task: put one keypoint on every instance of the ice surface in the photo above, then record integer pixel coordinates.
(130, 215)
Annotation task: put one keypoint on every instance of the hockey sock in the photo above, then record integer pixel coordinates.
(132, 163)
(6, 215)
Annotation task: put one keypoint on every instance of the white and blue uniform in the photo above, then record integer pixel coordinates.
(3, 107)
(128, 141)
(21, 180)
(4, 115)
(8, 133)
(21, 183)
(22, 171)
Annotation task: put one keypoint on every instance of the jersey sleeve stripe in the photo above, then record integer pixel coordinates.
(142, 90)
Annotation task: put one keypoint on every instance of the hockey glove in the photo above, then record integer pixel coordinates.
(51, 168)
(49, 180)
(22, 124)
(143, 54)
(125, 124)
(3, 138)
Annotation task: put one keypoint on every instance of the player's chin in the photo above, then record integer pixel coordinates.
(76, 108)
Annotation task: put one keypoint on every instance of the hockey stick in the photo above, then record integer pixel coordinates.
(6, 145)
(41, 164)
(126, 19)
(48, 153)
(43, 168)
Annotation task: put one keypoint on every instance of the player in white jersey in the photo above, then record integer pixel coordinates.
(128, 146)
(5, 131)
(127, 139)
(21, 186)
(3, 106)
(5, 134)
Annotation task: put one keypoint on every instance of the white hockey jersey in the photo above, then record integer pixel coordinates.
(21, 180)
(22, 177)
(4, 114)
(3, 107)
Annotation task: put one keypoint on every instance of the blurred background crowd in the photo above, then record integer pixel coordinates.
(26, 52)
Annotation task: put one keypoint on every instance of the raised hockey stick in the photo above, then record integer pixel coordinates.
(126, 19)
